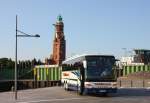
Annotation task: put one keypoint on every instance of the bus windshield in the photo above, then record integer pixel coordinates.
(99, 68)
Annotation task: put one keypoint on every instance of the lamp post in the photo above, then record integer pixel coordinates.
(24, 35)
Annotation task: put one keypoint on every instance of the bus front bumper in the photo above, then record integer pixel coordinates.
(101, 90)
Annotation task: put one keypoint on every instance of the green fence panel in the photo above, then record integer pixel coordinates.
(149, 68)
(38, 72)
(59, 73)
(132, 69)
(124, 70)
(142, 68)
(53, 73)
(49, 73)
(56, 73)
(128, 70)
(139, 68)
(45, 73)
(146, 67)
(41, 73)
(136, 68)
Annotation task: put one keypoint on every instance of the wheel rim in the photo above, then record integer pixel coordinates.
(66, 86)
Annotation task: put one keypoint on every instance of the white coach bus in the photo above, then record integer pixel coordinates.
(89, 74)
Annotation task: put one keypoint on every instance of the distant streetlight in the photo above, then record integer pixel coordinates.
(24, 35)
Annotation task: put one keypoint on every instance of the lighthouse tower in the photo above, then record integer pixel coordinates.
(59, 43)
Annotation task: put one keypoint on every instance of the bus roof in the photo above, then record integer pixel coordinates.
(84, 55)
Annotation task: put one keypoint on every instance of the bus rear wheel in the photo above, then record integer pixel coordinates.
(66, 86)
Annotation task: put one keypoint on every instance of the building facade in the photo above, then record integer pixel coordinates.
(140, 57)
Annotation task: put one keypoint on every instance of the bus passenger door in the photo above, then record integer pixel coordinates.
(82, 80)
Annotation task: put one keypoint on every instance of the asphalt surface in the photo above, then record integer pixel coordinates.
(58, 94)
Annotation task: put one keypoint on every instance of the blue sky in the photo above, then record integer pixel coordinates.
(90, 26)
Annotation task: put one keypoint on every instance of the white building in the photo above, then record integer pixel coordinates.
(129, 61)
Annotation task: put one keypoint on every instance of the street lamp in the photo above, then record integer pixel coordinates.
(24, 35)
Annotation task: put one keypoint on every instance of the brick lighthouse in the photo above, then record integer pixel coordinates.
(59, 43)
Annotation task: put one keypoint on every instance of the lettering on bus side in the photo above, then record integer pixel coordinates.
(65, 74)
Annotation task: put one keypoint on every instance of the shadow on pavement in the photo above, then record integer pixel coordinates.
(131, 92)
(125, 93)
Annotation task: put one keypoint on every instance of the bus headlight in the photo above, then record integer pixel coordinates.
(114, 84)
(89, 85)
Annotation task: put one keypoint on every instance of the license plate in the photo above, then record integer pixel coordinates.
(102, 91)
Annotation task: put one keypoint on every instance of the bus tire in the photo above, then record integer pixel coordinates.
(64, 85)
(80, 91)
(67, 87)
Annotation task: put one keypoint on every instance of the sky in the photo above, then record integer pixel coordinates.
(90, 26)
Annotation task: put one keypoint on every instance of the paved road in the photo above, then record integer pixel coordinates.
(57, 95)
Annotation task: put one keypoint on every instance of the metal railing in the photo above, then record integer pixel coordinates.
(134, 83)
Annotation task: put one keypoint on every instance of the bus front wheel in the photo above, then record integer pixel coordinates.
(66, 86)
(80, 90)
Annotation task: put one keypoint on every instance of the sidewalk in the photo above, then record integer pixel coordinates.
(7, 97)
(23, 95)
